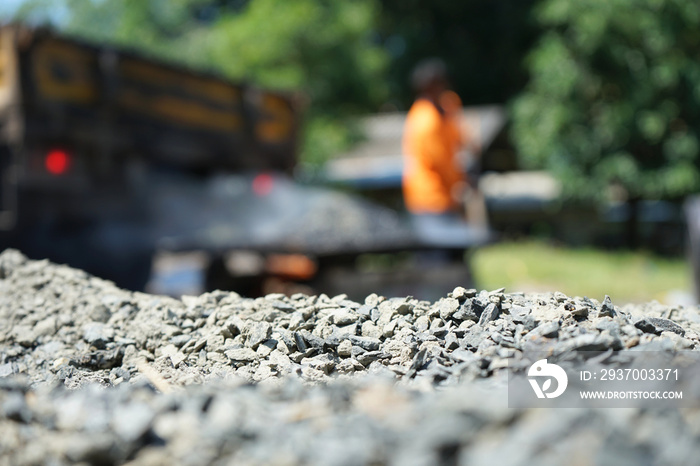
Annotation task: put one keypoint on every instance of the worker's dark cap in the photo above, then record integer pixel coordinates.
(427, 72)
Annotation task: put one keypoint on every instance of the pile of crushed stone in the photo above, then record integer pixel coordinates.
(94, 374)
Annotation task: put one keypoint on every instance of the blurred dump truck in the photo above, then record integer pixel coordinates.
(110, 161)
(87, 130)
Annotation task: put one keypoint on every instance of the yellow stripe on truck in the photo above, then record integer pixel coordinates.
(189, 100)
(277, 120)
(180, 111)
(64, 72)
(199, 87)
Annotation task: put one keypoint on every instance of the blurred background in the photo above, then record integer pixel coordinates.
(587, 115)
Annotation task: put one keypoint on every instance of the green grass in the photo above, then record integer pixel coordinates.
(540, 266)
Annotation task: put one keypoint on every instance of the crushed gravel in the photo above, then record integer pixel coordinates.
(93, 374)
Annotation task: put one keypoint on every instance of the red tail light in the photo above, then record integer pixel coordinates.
(57, 162)
(263, 184)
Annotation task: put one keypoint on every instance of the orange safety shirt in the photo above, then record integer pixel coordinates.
(431, 141)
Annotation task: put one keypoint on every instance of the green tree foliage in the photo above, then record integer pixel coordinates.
(483, 43)
(163, 28)
(324, 47)
(324, 50)
(614, 97)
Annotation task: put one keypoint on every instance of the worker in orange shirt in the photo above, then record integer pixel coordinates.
(434, 183)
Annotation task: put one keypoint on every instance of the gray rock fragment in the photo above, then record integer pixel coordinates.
(100, 313)
(133, 421)
(299, 342)
(422, 324)
(451, 341)
(345, 348)
(257, 333)
(491, 313)
(657, 325)
(14, 407)
(505, 341)
(548, 329)
(402, 305)
(45, 327)
(476, 306)
(6, 369)
(97, 334)
(24, 335)
(180, 340)
(447, 307)
(590, 342)
(606, 323)
(607, 309)
(282, 306)
(366, 343)
(343, 317)
(365, 310)
(419, 361)
(369, 357)
(322, 362)
(312, 340)
(576, 310)
(371, 330)
(241, 355)
(461, 294)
